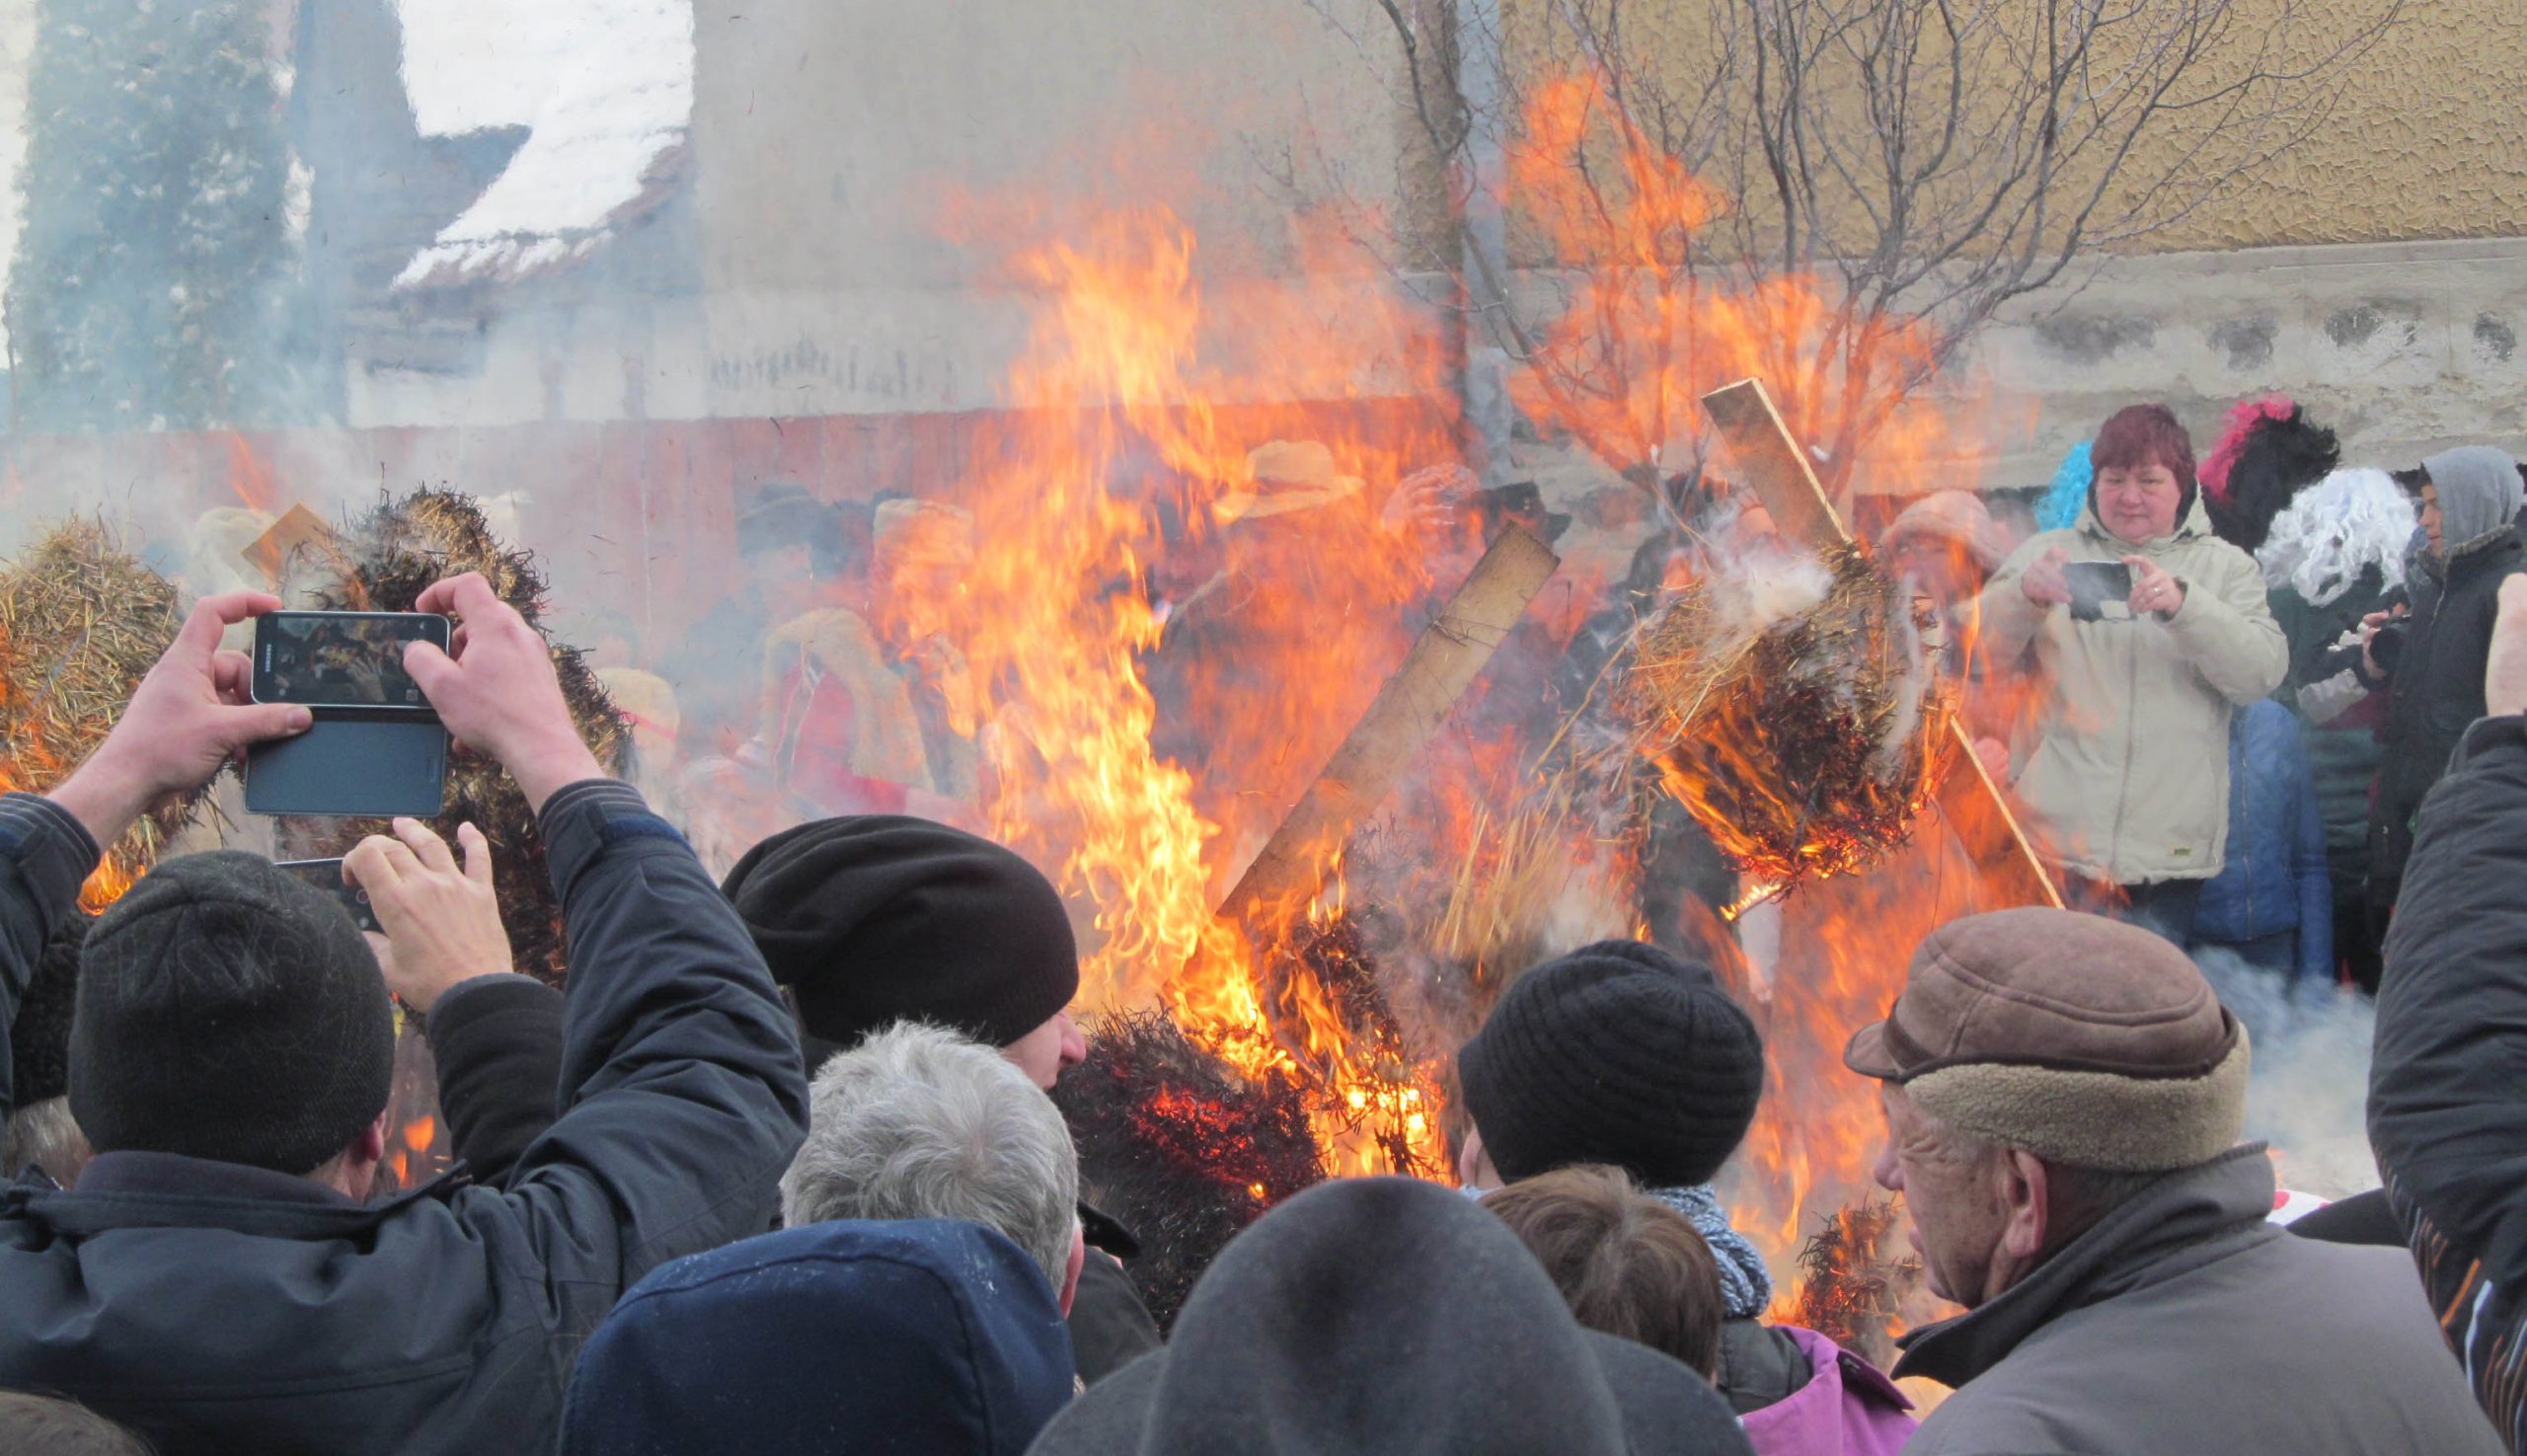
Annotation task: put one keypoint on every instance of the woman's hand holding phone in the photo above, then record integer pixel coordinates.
(2043, 580)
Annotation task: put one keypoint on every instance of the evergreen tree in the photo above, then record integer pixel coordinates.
(156, 282)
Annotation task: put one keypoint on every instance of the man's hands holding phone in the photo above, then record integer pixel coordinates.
(495, 689)
(186, 718)
(440, 923)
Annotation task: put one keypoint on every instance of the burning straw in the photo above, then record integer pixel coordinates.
(382, 564)
(1800, 740)
(81, 623)
(1181, 1148)
(1850, 1290)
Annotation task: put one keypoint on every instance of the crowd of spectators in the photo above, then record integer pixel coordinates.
(779, 1169)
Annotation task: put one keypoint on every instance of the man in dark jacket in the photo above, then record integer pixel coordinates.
(2431, 665)
(2064, 1098)
(2447, 1113)
(869, 920)
(217, 1281)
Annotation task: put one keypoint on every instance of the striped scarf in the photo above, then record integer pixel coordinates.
(1744, 1280)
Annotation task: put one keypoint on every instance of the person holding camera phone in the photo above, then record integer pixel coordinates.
(2151, 632)
(2427, 654)
(218, 1279)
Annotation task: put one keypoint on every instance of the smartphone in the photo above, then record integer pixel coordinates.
(367, 763)
(342, 660)
(2096, 584)
(327, 876)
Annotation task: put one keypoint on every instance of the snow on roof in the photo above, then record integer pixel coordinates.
(606, 89)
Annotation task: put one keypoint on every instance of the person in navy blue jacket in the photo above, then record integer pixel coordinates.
(2272, 903)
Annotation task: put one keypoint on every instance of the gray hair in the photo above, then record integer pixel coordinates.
(920, 1122)
(44, 1136)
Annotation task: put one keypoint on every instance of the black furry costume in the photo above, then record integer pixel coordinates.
(2268, 455)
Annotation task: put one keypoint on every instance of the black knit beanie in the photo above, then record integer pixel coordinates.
(228, 1011)
(875, 919)
(40, 1036)
(1619, 1053)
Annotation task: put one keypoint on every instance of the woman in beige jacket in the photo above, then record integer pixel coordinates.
(2129, 776)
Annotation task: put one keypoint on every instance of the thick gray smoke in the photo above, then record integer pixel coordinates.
(2308, 1095)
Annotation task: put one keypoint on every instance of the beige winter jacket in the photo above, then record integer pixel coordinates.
(2130, 776)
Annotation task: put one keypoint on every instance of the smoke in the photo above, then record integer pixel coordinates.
(2308, 1093)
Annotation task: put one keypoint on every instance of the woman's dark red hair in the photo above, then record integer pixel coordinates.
(2138, 436)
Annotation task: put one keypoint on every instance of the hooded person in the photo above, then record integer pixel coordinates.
(1389, 1316)
(2331, 558)
(2430, 665)
(2064, 1098)
(866, 922)
(838, 1337)
(1620, 1053)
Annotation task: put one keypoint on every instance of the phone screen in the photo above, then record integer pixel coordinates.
(327, 876)
(341, 659)
(2096, 586)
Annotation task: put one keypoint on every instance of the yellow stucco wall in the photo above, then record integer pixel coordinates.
(2426, 139)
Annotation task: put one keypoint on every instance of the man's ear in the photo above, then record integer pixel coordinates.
(2023, 1191)
(1070, 1272)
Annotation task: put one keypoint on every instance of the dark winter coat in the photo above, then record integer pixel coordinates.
(2435, 691)
(2447, 1107)
(2186, 1321)
(497, 1045)
(2274, 880)
(220, 1308)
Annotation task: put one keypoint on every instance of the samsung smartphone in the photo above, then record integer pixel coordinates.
(366, 762)
(327, 876)
(342, 660)
(2095, 584)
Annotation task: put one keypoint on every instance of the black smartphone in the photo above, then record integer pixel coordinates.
(327, 876)
(342, 660)
(372, 763)
(2094, 585)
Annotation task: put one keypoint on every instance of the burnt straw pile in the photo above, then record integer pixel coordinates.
(1796, 725)
(1184, 1150)
(382, 563)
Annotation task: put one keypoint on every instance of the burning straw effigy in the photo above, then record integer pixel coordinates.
(81, 623)
(381, 564)
(1790, 715)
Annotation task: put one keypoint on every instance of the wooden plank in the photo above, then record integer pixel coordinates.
(1418, 696)
(1776, 469)
(1772, 464)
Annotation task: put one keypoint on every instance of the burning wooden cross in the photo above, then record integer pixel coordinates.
(1772, 464)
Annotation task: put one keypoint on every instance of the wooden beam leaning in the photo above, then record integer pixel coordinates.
(1444, 661)
(1771, 463)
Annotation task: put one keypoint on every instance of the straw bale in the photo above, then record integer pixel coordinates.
(81, 622)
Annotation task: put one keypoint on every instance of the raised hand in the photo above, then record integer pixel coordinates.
(440, 924)
(189, 717)
(2044, 581)
(497, 692)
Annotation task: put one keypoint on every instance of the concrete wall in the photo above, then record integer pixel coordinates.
(840, 142)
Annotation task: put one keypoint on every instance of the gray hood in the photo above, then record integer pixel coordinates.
(2478, 494)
